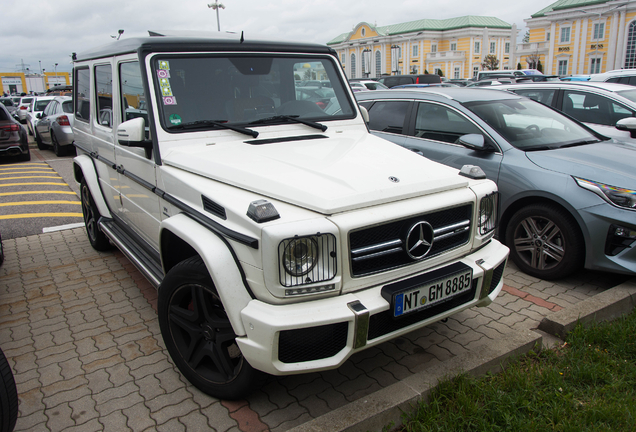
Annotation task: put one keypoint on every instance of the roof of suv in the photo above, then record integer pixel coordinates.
(221, 42)
(459, 94)
(613, 73)
(605, 86)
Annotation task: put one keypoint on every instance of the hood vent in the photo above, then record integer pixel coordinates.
(214, 208)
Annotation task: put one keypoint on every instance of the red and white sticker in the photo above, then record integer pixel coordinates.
(169, 100)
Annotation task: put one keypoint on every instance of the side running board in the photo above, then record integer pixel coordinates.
(145, 262)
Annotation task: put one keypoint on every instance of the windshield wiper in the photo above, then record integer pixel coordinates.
(221, 124)
(295, 118)
(580, 143)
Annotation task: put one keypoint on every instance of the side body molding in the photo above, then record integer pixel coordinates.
(220, 264)
(83, 167)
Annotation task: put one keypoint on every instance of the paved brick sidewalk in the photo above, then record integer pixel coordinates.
(80, 331)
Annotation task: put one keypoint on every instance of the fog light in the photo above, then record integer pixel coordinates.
(619, 238)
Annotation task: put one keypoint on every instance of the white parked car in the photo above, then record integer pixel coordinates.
(35, 108)
(619, 76)
(281, 237)
(608, 108)
(23, 106)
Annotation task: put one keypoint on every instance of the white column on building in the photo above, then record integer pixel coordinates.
(611, 48)
(619, 61)
(582, 65)
(485, 44)
(512, 62)
(576, 36)
(553, 38)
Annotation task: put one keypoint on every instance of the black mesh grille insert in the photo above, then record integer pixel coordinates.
(312, 343)
(384, 323)
(397, 231)
(497, 274)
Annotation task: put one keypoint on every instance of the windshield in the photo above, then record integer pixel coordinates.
(206, 91)
(529, 125)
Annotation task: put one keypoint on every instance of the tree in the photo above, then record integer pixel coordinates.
(533, 60)
(519, 66)
(440, 73)
(490, 62)
(526, 37)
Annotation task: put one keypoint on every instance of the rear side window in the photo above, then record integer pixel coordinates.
(132, 92)
(82, 94)
(67, 106)
(545, 96)
(388, 116)
(104, 91)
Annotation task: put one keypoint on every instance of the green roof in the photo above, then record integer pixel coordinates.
(567, 4)
(432, 24)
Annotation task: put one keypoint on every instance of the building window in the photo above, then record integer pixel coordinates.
(433, 48)
(595, 65)
(364, 32)
(475, 71)
(547, 36)
(507, 48)
(456, 73)
(353, 65)
(436, 71)
(492, 47)
(565, 35)
(453, 46)
(599, 31)
(476, 47)
(630, 51)
(378, 64)
(563, 67)
(343, 58)
(415, 54)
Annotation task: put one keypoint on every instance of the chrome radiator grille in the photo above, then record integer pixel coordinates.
(383, 247)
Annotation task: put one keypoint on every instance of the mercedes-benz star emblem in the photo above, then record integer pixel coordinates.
(419, 240)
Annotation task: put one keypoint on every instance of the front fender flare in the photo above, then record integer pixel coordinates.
(84, 168)
(220, 262)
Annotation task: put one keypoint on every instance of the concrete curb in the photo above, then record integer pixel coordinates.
(605, 306)
(385, 407)
(374, 412)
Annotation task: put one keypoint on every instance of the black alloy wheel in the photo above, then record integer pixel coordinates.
(545, 241)
(96, 237)
(199, 335)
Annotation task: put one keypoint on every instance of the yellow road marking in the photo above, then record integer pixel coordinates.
(37, 215)
(17, 203)
(33, 184)
(28, 172)
(21, 166)
(29, 177)
(37, 192)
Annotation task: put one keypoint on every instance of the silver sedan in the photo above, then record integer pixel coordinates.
(54, 127)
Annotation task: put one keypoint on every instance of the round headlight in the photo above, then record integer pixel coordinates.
(300, 256)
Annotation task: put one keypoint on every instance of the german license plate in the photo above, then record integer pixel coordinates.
(429, 293)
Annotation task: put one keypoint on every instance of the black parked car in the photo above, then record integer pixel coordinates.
(395, 80)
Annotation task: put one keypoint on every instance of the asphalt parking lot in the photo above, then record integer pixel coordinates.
(80, 330)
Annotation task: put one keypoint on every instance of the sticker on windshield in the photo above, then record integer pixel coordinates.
(175, 119)
(163, 74)
(165, 65)
(169, 100)
(166, 91)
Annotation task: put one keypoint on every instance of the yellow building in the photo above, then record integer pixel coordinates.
(19, 82)
(456, 47)
(573, 37)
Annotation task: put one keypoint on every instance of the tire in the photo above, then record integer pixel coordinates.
(25, 157)
(545, 241)
(8, 396)
(57, 148)
(199, 335)
(96, 237)
(29, 130)
(39, 142)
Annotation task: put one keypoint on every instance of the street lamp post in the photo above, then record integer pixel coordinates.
(216, 6)
(55, 68)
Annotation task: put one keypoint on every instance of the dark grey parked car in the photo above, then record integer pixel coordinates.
(568, 194)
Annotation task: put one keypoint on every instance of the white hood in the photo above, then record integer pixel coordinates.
(342, 172)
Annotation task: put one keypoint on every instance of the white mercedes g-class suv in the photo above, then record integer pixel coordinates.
(281, 235)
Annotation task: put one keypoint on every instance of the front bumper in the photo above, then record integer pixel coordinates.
(323, 334)
(598, 220)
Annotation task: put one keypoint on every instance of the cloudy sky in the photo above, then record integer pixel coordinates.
(40, 33)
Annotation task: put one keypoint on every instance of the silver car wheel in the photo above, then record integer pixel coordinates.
(539, 242)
